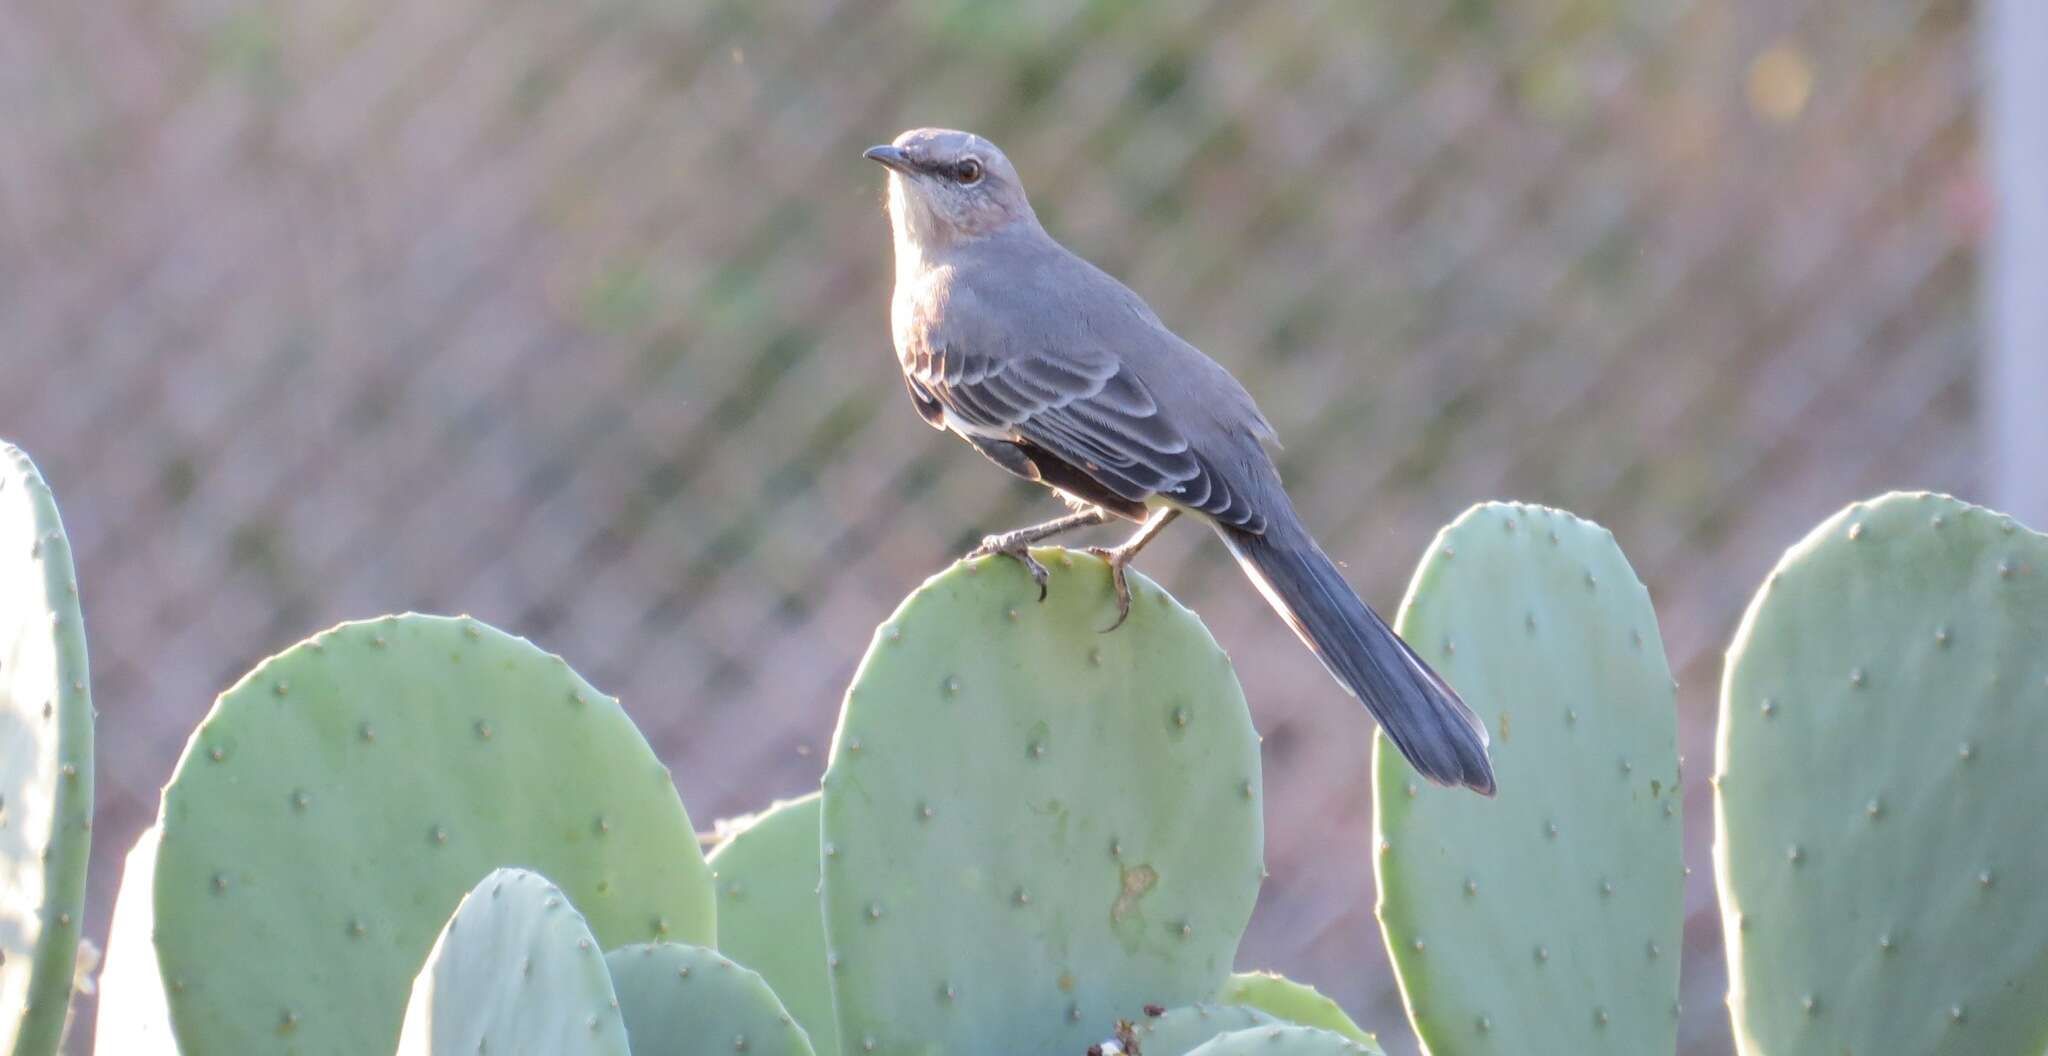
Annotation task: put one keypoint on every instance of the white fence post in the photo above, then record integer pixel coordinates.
(2015, 366)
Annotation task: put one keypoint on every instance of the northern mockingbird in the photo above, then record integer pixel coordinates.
(1060, 374)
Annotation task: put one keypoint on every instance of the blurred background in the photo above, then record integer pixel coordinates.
(574, 316)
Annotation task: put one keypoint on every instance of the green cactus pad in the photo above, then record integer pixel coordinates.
(1179, 1031)
(1879, 791)
(1287, 1039)
(133, 1018)
(1284, 999)
(515, 970)
(768, 915)
(1031, 827)
(45, 762)
(339, 800)
(683, 1000)
(1545, 920)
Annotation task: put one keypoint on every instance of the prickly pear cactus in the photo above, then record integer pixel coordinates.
(515, 970)
(1179, 1031)
(1286, 1039)
(1032, 828)
(1545, 920)
(1879, 788)
(45, 762)
(768, 915)
(338, 801)
(682, 1000)
(134, 1019)
(1284, 999)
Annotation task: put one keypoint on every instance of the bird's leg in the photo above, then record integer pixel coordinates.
(1120, 556)
(1017, 544)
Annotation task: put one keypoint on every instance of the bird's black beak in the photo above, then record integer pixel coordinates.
(893, 157)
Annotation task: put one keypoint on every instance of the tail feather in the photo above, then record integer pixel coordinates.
(1421, 714)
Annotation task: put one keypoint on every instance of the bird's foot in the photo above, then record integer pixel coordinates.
(1118, 558)
(1017, 544)
(1017, 549)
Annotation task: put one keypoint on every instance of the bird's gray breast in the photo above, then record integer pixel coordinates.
(934, 360)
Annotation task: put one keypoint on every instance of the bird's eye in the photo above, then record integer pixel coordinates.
(968, 172)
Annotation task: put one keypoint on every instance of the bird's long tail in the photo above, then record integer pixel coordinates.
(1423, 716)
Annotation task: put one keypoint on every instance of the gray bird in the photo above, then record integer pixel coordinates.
(1059, 373)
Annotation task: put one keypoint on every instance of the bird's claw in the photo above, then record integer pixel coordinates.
(1117, 558)
(1019, 552)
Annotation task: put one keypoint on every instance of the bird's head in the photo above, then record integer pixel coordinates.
(947, 187)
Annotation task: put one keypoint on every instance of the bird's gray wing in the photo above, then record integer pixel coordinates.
(1080, 404)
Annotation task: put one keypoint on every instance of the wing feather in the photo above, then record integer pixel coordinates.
(1091, 413)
